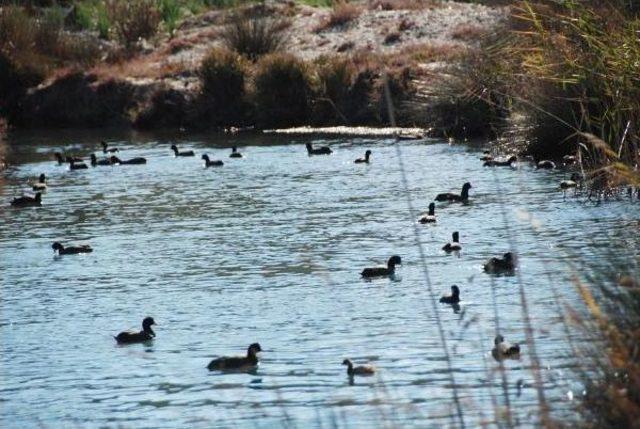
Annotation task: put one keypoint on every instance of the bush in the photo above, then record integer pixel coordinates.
(341, 14)
(32, 46)
(133, 20)
(569, 68)
(335, 82)
(223, 75)
(282, 91)
(254, 35)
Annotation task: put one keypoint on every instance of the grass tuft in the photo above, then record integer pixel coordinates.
(254, 35)
(282, 91)
(223, 77)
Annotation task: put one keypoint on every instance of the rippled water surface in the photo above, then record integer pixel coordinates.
(269, 248)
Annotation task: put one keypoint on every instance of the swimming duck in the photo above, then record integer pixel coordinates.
(27, 201)
(383, 271)
(76, 165)
(546, 165)
(571, 183)
(365, 160)
(107, 149)
(132, 161)
(235, 153)
(208, 163)
(454, 298)
(429, 217)
(324, 150)
(506, 264)
(464, 195)
(504, 349)
(237, 363)
(95, 162)
(358, 370)
(185, 153)
(71, 250)
(129, 337)
(453, 245)
(41, 185)
(501, 163)
(486, 156)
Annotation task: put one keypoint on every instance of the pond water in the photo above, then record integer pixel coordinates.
(269, 249)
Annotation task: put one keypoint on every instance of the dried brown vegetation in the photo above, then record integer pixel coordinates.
(341, 14)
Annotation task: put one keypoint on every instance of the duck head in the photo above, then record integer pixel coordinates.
(347, 362)
(94, 159)
(58, 156)
(309, 146)
(174, 148)
(146, 325)
(104, 144)
(42, 178)
(456, 237)
(205, 157)
(512, 158)
(432, 209)
(254, 349)
(393, 261)
(508, 257)
(234, 149)
(367, 154)
(499, 339)
(466, 186)
(57, 246)
(455, 291)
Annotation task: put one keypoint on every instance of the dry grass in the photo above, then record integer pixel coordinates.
(404, 4)
(405, 25)
(431, 52)
(133, 20)
(341, 15)
(223, 76)
(148, 67)
(254, 35)
(468, 32)
(282, 91)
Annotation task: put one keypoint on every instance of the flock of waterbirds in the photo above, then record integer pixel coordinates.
(505, 265)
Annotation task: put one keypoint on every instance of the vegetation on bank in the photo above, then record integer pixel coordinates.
(565, 78)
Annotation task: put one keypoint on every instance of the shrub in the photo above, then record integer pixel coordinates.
(254, 35)
(133, 20)
(570, 67)
(282, 91)
(332, 99)
(341, 14)
(223, 75)
(35, 45)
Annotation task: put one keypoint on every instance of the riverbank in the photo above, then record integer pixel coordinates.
(339, 56)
